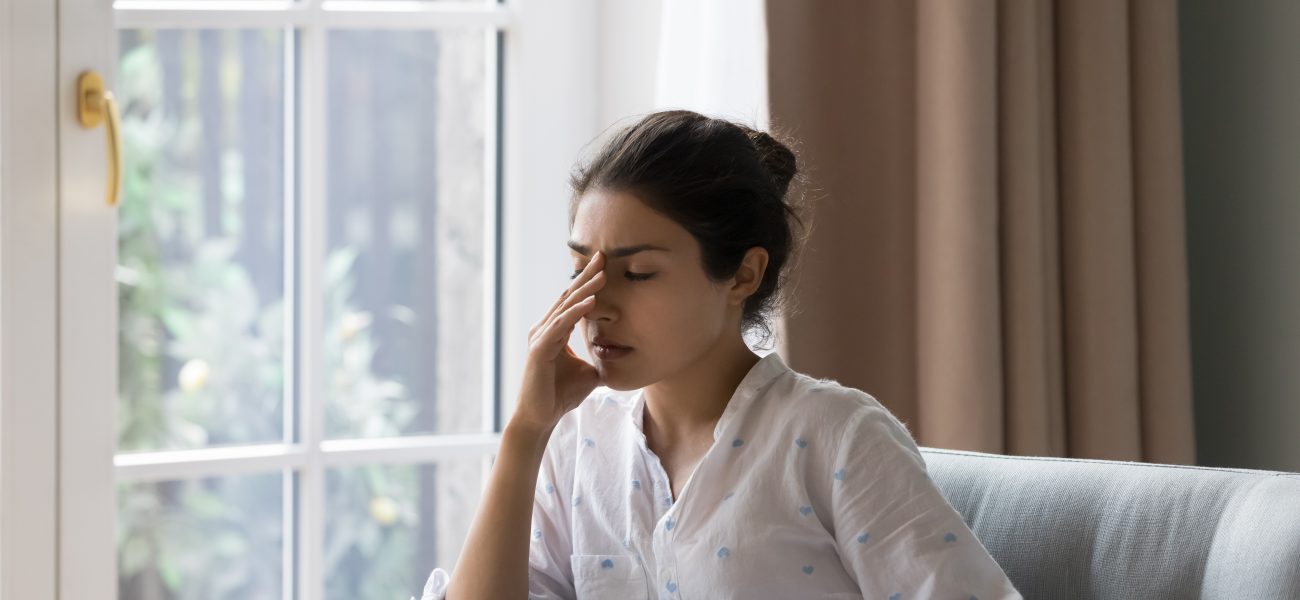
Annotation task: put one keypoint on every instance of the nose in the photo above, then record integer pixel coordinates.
(602, 308)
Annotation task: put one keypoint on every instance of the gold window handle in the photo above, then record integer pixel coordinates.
(96, 105)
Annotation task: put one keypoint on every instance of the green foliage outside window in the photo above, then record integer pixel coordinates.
(202, 363)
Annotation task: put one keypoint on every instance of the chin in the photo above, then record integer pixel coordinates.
(615, 381)
(618, 378)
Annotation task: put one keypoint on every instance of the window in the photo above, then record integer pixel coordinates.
(308, 275)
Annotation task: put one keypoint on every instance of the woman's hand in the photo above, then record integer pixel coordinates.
(555, 379)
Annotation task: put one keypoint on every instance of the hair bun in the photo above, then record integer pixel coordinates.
(777, 158)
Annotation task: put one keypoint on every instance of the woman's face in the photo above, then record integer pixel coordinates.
(656, 299)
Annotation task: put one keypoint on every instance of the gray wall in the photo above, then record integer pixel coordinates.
(1241, 119)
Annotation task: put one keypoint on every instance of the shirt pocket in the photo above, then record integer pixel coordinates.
(608, 576)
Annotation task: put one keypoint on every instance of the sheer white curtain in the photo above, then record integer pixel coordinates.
(713, 59)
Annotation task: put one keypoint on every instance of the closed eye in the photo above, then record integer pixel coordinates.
(628, 274)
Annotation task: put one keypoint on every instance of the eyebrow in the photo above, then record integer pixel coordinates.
(617, 252)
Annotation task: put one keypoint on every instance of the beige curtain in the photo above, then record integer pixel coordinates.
(997, 250)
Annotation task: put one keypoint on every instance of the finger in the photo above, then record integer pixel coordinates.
(584, 291)
(587, 290)
(556, 333)
(594, 266)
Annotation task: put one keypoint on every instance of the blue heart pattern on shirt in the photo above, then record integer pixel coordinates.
(537, 534)
(725, 552)
(550, 489)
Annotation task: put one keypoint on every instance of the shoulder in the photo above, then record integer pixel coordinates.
(828, 401)
(840, 412)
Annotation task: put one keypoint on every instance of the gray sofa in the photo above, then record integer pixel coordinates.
(1072, 528)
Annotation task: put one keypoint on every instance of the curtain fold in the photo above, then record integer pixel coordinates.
(998, 246)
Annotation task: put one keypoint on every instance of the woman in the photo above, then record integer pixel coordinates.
(699, 469)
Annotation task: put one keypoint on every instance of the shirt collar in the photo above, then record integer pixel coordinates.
(763, 372)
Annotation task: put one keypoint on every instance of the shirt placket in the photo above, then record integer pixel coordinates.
(665, 531)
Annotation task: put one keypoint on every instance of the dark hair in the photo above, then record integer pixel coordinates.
(724, 182)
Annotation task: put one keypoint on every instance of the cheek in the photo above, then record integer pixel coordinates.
(679, 315)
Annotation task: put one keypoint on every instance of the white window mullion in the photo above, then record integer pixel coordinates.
(141, 467)
(290, 396)
(333, 14)
(408, 449)
(491, 162)
(400, 14)
(182, 14)
(202, 463)
(310, 517)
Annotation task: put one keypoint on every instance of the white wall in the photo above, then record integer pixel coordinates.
(629, 40)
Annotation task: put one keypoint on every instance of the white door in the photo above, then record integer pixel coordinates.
(277, 366)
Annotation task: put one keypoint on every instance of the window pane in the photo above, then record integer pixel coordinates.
(404, 273)
(212, 539)
(200, 268)
(387, 527)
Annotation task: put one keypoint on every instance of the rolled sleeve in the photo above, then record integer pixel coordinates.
(896, 533)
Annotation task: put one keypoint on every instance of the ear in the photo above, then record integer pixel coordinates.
(749, 276)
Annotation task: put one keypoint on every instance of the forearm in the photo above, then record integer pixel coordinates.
(494, 561)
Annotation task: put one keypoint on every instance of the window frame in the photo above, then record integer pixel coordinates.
(547, 89)
(29, 196)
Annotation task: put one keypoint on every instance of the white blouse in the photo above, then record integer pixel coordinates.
(810, 490)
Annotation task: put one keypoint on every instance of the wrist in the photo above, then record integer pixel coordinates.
(534, 434)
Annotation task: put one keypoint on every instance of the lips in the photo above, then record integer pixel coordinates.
(607, 349)
(612, 344)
